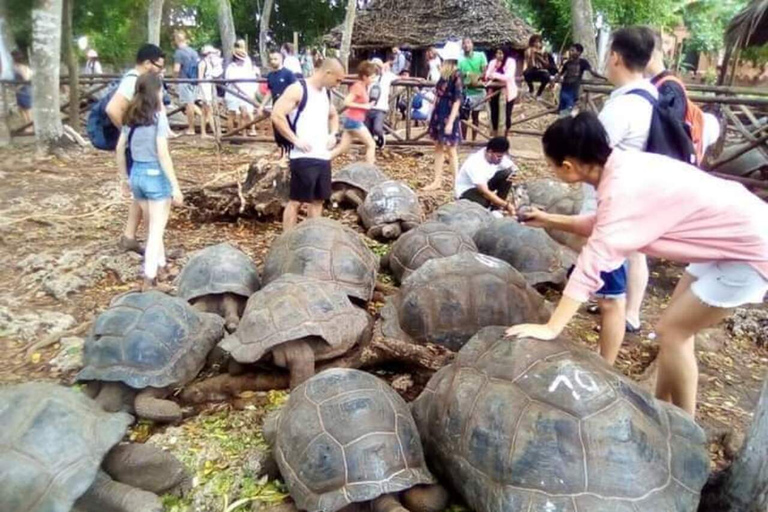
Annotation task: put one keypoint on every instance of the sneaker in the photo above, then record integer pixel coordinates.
(380, 141)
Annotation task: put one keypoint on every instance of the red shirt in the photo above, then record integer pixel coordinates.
(360, 95)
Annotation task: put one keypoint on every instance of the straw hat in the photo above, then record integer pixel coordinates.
(239, 54)
(451, 51)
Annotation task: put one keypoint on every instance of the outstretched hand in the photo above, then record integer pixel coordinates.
(532, 216)
(538, 331)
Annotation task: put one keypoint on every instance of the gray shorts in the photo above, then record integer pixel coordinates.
(188, 93)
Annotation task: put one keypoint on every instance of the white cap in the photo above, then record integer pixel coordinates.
(377, 62)
(451, 51)
(91, 54)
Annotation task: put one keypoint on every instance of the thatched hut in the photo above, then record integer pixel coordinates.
(419, 24)
(748, 28)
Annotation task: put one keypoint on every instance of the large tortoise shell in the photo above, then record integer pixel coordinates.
(218, 269)
(463, 215)
(388, 202)
(359, 175)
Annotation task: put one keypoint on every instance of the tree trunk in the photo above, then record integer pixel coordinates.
(346, 37)
(743, 487)
(226, 29)
(46, 52)
(264, 31)
(71, 59)
(154, 21)
(584, 29)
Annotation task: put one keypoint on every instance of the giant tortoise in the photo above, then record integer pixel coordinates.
(390, 209)
(346, 437)
(52, 443)
(554, 196)
(327, 250)
(298, 320)
(149, 342)
(352, 183)
(530, 250)
(521, 424)
(219, 279)
(447, 300)
(427, 241)
(463, 215)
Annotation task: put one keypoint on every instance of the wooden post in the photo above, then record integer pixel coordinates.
(296, 42)
(408, 96)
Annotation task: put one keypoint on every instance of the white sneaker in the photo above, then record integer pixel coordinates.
(497, 214)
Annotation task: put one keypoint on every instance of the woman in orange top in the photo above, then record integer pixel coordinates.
(358, 104)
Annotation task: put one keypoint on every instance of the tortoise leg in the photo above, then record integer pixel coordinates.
(113, 396)
(147, 467)
(298, 357)
(391, 231)
(92, 388)
(230, 308)
(107, 495)
(150, 404)
(426, 498)
(387, 503)
(202, 304)
(356, 197)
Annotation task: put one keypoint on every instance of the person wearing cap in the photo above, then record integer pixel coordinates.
(92, 65)
(210, 68)
(240, 68)
(444, 125)
(379, 93)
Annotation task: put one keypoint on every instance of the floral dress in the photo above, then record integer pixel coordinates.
(447, 92)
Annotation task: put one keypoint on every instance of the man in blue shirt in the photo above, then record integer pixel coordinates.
(185, 65)
(278, 81)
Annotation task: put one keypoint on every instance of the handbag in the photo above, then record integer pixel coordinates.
(465, 110)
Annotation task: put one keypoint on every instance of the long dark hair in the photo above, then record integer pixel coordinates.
(146, 101)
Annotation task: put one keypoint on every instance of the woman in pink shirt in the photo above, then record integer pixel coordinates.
(502, 69)
(664, 208)
(358, 104)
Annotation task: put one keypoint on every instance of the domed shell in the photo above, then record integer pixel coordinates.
(463, 215)
(360, 175)
(327, 250)
(447, 300)
(552, 196)
(149, 339)
(346, 437)
(427, 241)
(522, 424)
(52, 442)
(529, 250)
(391, 201)
(295, 307)
(218, 269)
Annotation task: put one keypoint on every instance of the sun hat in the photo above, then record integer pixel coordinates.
(91, 54)
(239, 54)
(451, 51)
(207, 49)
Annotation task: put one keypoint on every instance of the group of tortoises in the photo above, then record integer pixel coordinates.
(510, 425)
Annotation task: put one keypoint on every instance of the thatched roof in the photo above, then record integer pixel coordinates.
(749, 27)
(423, 23)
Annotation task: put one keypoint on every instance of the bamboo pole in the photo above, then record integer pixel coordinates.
(749, 147)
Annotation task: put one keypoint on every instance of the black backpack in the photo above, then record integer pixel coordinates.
(667, 135)
(102, 132)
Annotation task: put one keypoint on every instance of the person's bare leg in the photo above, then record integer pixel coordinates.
(204, 121)
(290, 215)
(453, 160)
(437, 182)
(678, 374)
(128, 241)
(190, 118)
(315, 209)
(370, 145)
(637, 282)
(247, 119)
(611, 327)
(158, 217)
(343, 146)
(475, 124)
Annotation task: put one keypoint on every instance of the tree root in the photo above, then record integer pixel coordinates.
(225, 386)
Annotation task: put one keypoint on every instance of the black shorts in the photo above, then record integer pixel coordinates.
(310, 180)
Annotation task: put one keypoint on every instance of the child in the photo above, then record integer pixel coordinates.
(151, 176)
(572, 73)
(664, 208)
(358, 104)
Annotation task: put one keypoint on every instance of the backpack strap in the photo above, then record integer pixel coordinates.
(302, 105)
(644, 94)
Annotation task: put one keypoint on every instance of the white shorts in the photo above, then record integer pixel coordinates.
(207, 92)
(727, 284)
(234, 104)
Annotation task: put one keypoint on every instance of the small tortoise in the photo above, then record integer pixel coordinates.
(554, 197)
(521, 424)
(352, 183)
(52, 445)
(219, 279)
(326, 250)
(447, 300)
(428, 241)
(390, 209)
(530, 250)
(346, 437)
(298, 320)
(149, 342)
(463, 215)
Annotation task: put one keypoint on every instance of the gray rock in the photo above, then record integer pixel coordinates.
(70, 357)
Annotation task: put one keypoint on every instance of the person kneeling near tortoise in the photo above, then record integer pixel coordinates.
(486, 176)
(663, 208)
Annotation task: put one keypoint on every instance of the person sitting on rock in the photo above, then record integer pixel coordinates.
(486, 176)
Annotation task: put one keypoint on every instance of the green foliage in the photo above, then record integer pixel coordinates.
(707, 20)
(113, 27)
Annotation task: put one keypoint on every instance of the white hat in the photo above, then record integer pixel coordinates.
(207, 49)
(451, 51)
(377, 62)
(91, 54)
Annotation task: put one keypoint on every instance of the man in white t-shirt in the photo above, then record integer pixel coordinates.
(486, 176)
(375, 117)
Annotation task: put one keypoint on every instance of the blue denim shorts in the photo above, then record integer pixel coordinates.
(149, 182)
(614, 283)
(351, 124)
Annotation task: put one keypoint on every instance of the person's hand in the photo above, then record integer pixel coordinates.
(511, 177)
(449, 128)
(177, 197)
(332, 141)
(510, 208)
(532, 216)
(303, 146)
(538, 331)
(125, 189)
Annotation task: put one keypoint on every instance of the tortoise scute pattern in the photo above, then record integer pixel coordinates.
(463, 215)
(391, 201)
(295, 307)
(361, 175)
(327, 250)
(520, 425)
(447, 300)
(218, 269)
(345, 436)
(52, 441)
(553, 196)
(428, 241)
(149, 340)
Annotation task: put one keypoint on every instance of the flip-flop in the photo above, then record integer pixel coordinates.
(631, 329)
